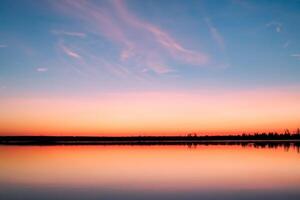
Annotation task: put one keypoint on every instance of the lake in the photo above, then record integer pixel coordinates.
(150, 172)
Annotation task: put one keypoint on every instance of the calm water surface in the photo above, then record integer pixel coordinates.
(149, 172)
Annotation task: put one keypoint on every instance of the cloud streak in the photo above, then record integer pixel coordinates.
(286, 44)
(215, 34)
(142, 45)
(68, 33)
(164, 39)
(70, 52)
(41, 69)
(276, 25)
(296, 56)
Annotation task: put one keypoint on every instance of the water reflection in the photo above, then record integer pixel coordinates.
(232, 171)
(286, 146)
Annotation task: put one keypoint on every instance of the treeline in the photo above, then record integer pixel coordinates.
(286, 135)
(189, 138)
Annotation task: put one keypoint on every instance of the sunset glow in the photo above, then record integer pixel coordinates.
(127, 67)
(152, 113)
(149, 99)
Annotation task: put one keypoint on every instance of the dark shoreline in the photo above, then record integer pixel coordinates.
(151, 140)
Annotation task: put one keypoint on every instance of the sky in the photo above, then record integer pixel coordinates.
(151, 67)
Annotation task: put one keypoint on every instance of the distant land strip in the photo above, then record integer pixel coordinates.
(190, 139)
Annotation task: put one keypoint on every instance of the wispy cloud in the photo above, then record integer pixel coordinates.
(276, 25)
(3, 45)
(42, 69)
(142, 44)
(165, 40)
(70, 52)
(215, 34)
(159, 68)
(296, 55)
(68, 33)
(176, 49)
(127, 53)
(286, 44)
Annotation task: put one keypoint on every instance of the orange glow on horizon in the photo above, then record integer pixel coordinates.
(152, 113)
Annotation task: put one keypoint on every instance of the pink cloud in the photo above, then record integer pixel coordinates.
(41, 69)
(177, 50)
(98, 18)
(142, 44)
(70, 52)
(127, 53)
(162, 37)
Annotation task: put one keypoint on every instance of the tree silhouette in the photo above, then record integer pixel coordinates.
(287, 132)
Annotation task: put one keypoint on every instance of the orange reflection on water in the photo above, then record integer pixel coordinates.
(151, 167)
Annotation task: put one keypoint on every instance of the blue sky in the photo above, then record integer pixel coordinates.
(74, 46)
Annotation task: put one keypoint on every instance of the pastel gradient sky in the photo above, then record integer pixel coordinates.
(151, 67)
